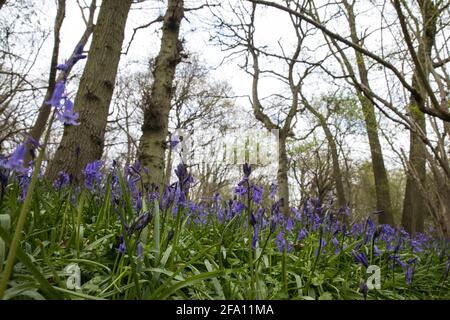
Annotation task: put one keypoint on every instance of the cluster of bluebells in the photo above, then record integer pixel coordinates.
(315, 223)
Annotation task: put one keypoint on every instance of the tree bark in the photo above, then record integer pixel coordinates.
(84, 143)
(282, 174)
(157, 104)
(379, 170)
(414, 204)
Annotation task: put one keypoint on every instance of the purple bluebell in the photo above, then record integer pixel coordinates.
(16, 161)
(273, 190)
(174, 141)
(68, 116)
(92, 174)
(257, 194)
(322, 244)
(409, 275)
(280, 241)
(237, 207)
(395, 259)
(297, 214)
(139, 223)
(335, 243)
(122, 248)
(240, 190)
(302, 234)
(62, 180)
(273, 225)
(57, 95)
(416, 246)
(361, 258)
(376, 251)
(289, 224)
(316, 222)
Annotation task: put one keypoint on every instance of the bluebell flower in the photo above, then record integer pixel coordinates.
(280, 241)
(139, 223)
(376, 251)
(174, 141)
(322, 243)
(395, 259)
(58, 93)
(273, 190)
(361, 258)
(289, 225)
(92, 174)
(16, 161)
(62, 180)
(257, 194)
(302, 234)
(237, 207)
(122, 248)
(68, 116)
(409, 275)
(297, 214)
(335, 243)
(273, 225)
(240, 190)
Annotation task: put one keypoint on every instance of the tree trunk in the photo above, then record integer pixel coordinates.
(379, 169)
(414, 204)
(157, 105)
(84, 143)
(282, 175)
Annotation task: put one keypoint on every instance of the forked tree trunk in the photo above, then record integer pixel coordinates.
(84, 143)
(153, 142)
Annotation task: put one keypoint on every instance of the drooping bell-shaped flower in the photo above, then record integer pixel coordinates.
(57, 95)
(68, 116)
(16, 160)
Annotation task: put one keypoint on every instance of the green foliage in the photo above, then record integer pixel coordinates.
(207, 262)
